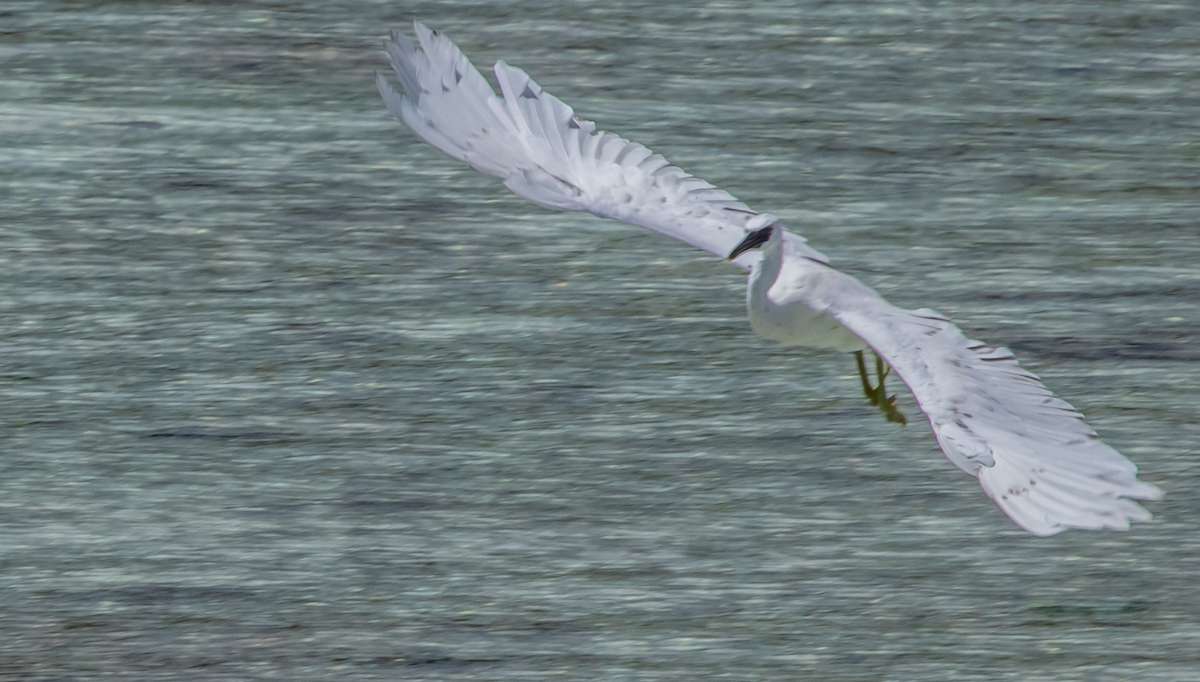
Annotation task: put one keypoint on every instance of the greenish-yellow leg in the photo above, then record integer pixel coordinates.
(878, 394)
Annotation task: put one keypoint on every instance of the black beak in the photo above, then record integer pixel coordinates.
(753, 239)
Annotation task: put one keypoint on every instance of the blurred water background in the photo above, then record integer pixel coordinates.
(288, 394)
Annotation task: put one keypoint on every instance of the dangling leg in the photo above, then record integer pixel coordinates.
(887, 404)
(868, 389)
(878, 394)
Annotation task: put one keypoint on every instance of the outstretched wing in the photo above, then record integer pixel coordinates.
(546, 154)
(1031, 451)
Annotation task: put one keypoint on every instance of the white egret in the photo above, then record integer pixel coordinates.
(1031, 451)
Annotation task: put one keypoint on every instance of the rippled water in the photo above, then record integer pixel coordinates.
(287, 393)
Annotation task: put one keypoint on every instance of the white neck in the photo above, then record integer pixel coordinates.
(766, 271)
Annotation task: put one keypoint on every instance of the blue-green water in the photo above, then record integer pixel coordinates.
(286, 393)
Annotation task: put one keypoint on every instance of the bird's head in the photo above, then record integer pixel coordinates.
(761, 229)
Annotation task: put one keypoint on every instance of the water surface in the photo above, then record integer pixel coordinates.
(287, 393)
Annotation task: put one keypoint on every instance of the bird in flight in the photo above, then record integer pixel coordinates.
(1032, 452)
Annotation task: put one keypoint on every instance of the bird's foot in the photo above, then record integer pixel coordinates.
(893, 413)
(877, 395)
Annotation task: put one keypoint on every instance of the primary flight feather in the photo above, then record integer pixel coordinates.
(1032, 452)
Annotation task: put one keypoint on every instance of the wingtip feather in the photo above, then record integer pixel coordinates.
(1046, 500)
